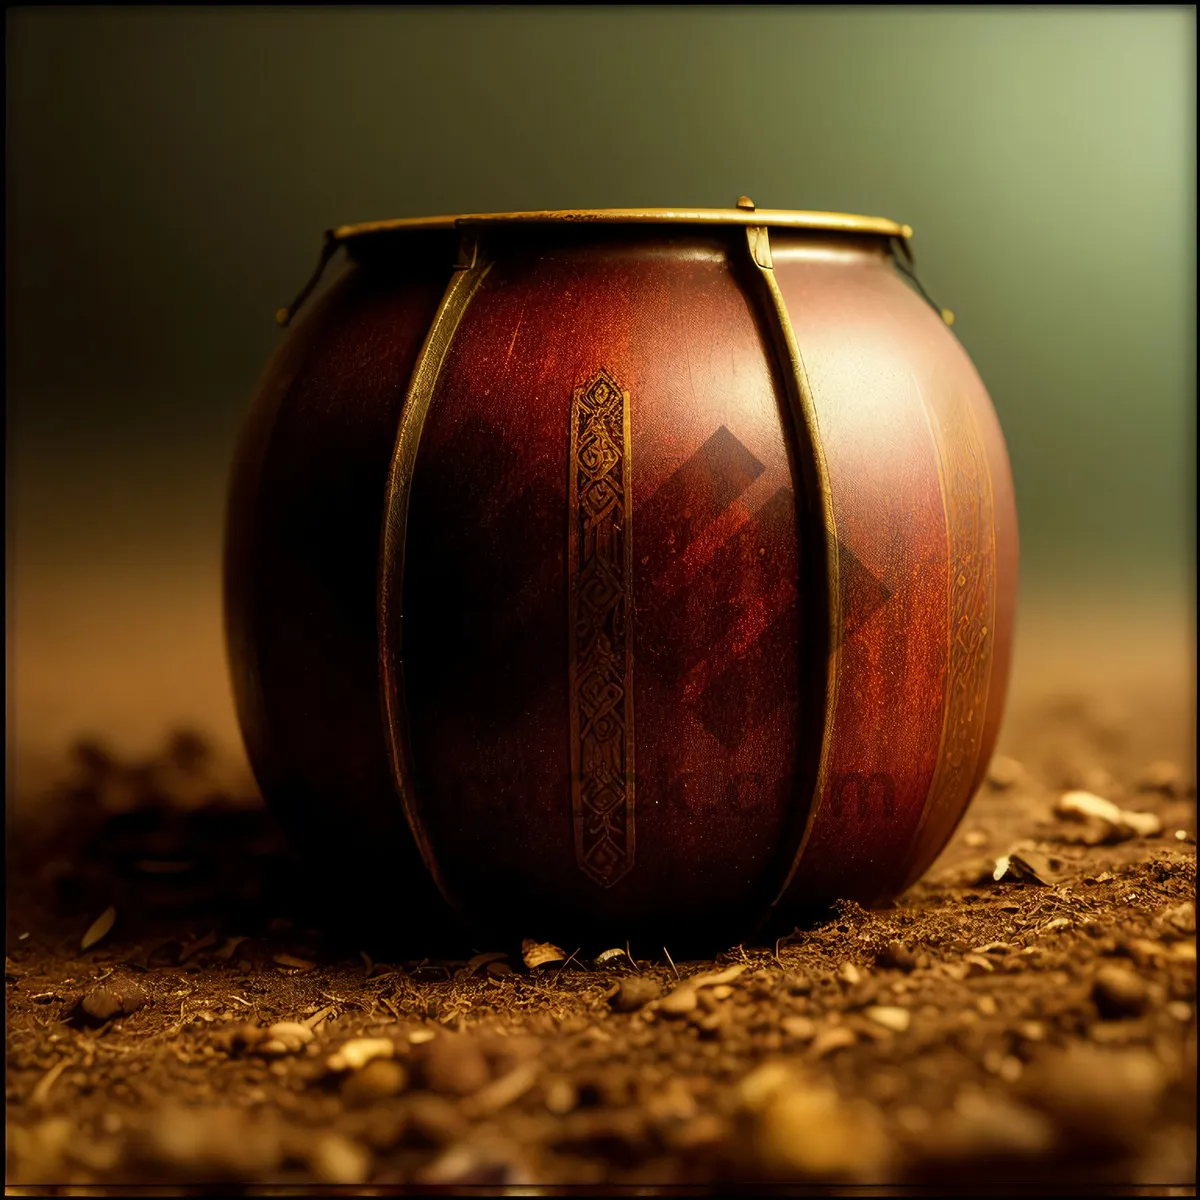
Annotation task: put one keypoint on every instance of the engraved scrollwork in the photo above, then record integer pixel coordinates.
(601, 653)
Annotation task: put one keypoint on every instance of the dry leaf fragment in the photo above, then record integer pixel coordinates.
(716, 978)
(484, 960)
(227, 947)
(42, 1091)
(1025, 867)
(99, 928)
(1080, 804)
(318, 1018)
(503, 1091)
(290, 960)
(1144, 824)
(538, 954)
(193, 948)
(1083, 805)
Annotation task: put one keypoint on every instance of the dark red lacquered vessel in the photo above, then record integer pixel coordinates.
(621, 574)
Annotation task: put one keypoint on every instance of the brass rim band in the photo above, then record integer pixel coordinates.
(806, 429)
(776, 218)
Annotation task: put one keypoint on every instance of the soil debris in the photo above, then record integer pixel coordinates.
(1039, 1025)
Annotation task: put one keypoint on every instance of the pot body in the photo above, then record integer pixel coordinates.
(623, 581)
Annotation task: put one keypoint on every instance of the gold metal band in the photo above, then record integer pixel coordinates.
(779, 218)
(469, 273)
(807, 430)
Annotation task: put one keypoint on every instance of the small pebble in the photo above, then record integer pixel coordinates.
(808, 1133)
(1011, 1069)
(434, 1120)
(101, 1004)
(285, 1037)
(798, 984)
(898, 956)
(357, 1052)
(1163, 776)
(986, 1128)
(832, 1039)
(561, 1096)
(890, 1017)
(379, 1079)
(802, 1029)
(1103, 1098)
(1004, 772)
(679, 1002)
(337, 1160)
(634, 993)
(292, 1032)
(1119, 993)
(244, 1035)
(454, 1064)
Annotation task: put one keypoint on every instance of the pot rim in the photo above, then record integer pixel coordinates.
(744, 214)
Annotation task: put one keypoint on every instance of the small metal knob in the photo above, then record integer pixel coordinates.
(745, 202)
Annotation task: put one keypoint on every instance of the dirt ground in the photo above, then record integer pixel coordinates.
(1023, 1017)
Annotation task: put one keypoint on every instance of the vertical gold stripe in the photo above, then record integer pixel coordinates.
(468, 275)
(807, 429)
(600, 608)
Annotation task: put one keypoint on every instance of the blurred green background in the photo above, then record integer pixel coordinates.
(169, 173)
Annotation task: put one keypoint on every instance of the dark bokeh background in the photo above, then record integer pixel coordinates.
(169, 173)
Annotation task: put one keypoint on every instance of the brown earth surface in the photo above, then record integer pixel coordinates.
(1035, 1030)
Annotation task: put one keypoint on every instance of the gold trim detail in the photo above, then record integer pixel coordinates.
(780, 218)
(807, 429)
(601, 641)
(742, 215)
(469, 273)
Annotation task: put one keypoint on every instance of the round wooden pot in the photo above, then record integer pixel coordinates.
(621, 574)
